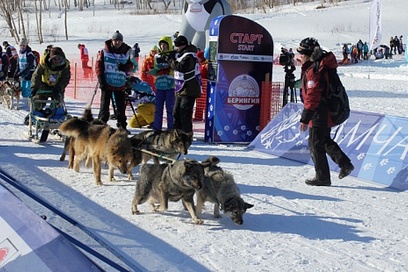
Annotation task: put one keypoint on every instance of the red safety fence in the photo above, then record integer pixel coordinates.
(83, 87)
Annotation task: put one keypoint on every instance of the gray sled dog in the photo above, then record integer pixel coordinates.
(101, 143)
(220, 188)
(159, 183)
(168, 143)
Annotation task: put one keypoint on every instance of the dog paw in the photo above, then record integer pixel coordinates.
(99, 183)
(198, 221)
(136, 212)
(112, 179)
(217, 216)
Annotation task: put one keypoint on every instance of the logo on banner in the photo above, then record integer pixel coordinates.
(243, 92)
(7, 250)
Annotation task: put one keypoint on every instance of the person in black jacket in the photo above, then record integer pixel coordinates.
(188, 83)
(12, 54)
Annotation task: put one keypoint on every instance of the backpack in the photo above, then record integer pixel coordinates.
(336, 99)
(37, 57)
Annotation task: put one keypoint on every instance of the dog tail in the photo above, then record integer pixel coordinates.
(87, 115)
(74, 127)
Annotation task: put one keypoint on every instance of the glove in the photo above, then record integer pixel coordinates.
(172, 54)
(122, 67)
(33, 92)
(101, 82)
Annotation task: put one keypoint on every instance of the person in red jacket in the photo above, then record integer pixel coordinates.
(84, 60)
(84, 55)
(201, 101)
(112, 65)
(315, 114)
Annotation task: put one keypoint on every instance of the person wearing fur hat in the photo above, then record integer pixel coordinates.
(315, 114)
(188, 83)
(51, 76)
(112, 66)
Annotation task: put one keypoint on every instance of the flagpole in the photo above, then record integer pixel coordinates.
(375, 31)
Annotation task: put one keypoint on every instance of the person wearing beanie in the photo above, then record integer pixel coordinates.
(113, 64)
(315, 114)
(51, 76)
(26, 67)
(188, 83)
(12, 54)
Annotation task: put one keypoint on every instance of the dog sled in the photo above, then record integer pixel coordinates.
(45, 115)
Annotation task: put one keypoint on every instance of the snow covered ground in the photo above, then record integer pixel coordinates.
(354, 225)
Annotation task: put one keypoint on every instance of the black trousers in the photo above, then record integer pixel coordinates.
(183, 113)
(120, 101)
(320, 144)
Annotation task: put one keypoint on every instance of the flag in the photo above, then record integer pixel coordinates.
(406, 51)
(375, 24)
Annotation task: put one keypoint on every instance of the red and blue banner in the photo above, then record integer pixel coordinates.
(376, 144)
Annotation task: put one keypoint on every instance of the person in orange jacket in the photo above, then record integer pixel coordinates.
(148, 64)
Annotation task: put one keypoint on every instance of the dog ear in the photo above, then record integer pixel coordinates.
(248, 206)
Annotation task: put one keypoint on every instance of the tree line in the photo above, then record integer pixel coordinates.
(18, 14)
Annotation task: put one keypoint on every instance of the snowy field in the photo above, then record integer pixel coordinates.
(354, 225)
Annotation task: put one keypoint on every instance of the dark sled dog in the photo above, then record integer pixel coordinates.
(168, 143)
(101, 143)
(220, 188)
(159, 183)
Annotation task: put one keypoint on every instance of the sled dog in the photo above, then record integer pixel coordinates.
(101, 143)
(168, 143)
(10, 91)
(220, 188)
(159, 183)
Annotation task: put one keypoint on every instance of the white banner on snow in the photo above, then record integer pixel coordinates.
(375, 24)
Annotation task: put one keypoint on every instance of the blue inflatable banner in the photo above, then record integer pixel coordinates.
(28, 243)
(376, 144)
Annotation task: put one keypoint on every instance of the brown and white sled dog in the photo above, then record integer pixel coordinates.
(220, 188)
(170, 143)
(10, 91)
(159, 183)
(102, 143)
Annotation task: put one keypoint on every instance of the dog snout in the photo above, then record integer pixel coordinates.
(238, 221)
